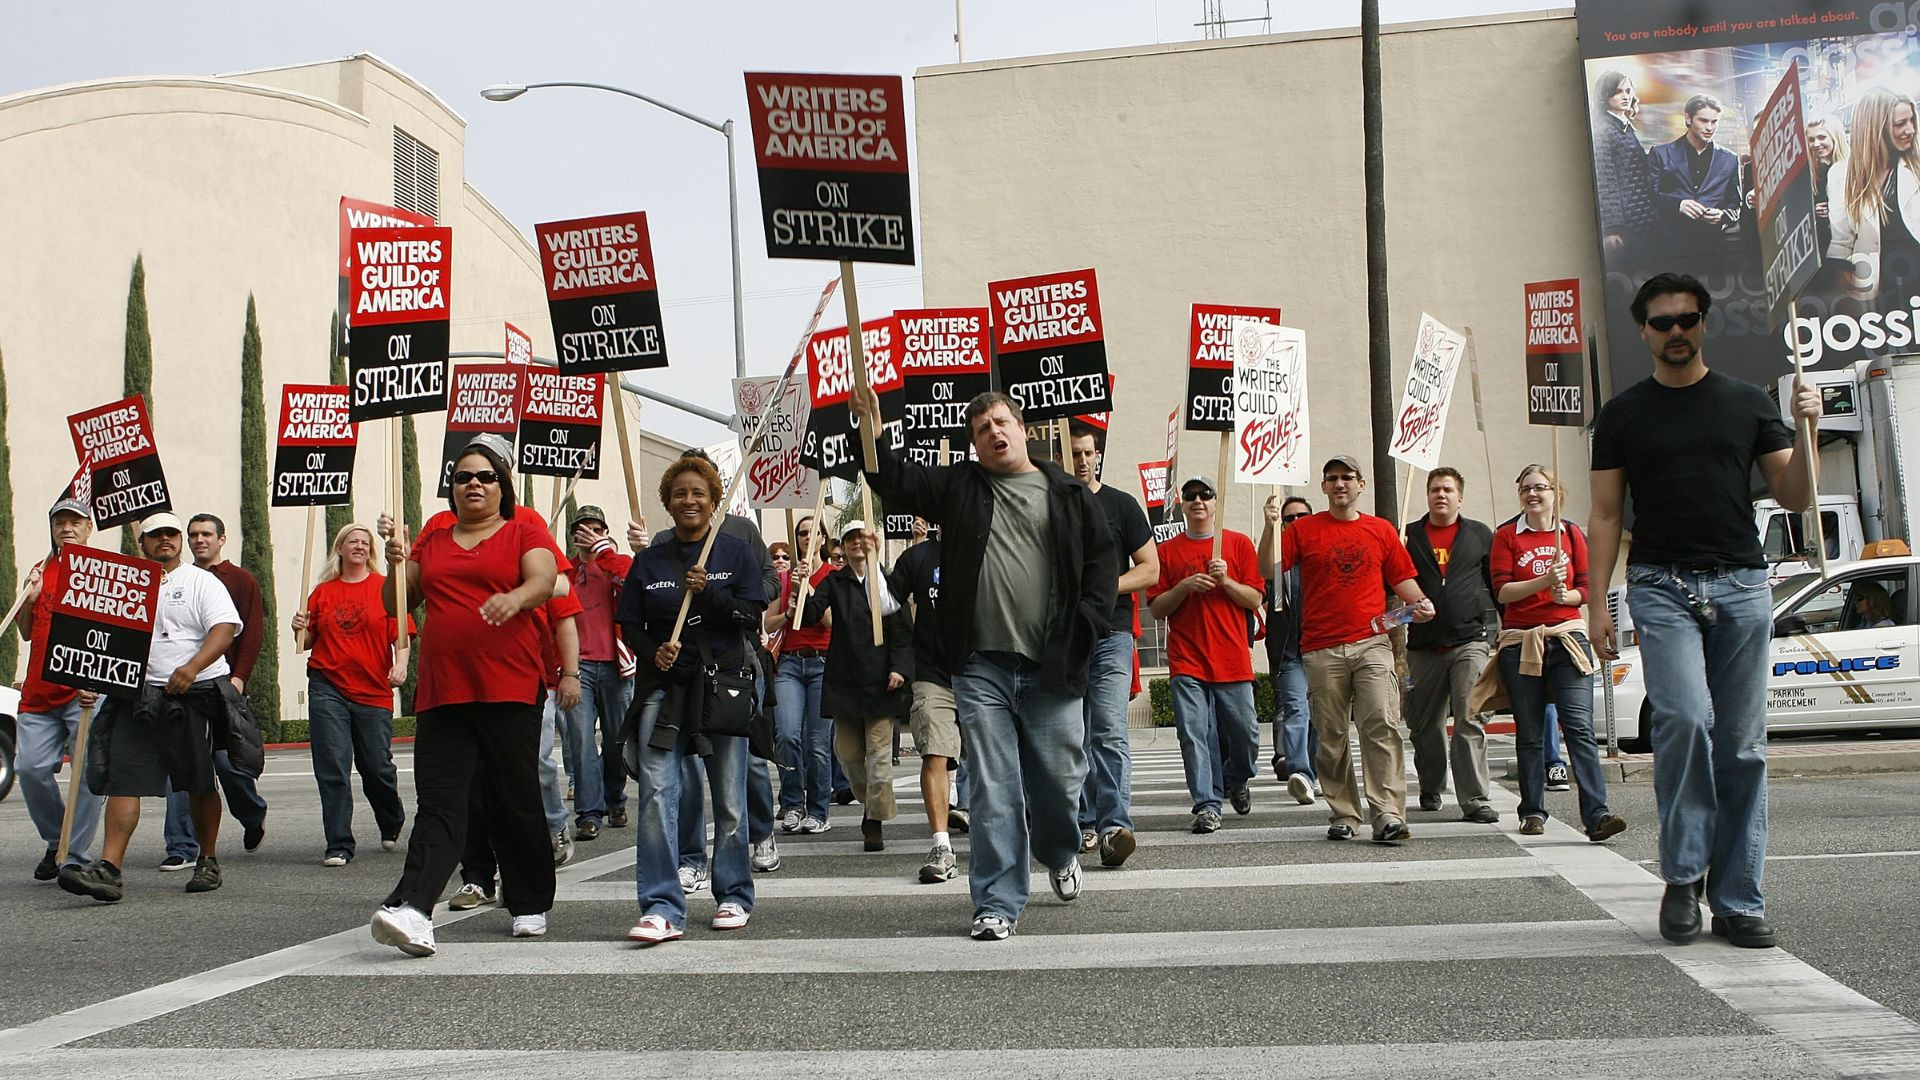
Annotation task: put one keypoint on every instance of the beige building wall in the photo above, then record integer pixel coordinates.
(228, 186)
(1231, 172)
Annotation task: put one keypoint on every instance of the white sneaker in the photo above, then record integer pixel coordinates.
(990, 928)
(766, 856)
(731, 916)
(404, 928)
(529, 926)
(1066, 881)
(654, 929)
(562, 849)
(1300, 788)
(693, 880)
(390, 843)
(815, 825)
(790, 821)
(334, 860)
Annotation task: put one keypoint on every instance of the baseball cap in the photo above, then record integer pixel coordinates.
(161, 520)
(1346, 461)
(589, 512)
(851, 527)
(495, 444)
(1198, 478)
(71, 505)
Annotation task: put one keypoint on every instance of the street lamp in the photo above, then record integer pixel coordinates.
(509, 91)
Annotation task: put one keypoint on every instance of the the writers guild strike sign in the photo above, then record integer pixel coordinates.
(115, 444)
(100, 622)
(601, 293)
(398, 300)
(361, 214)
(1556, 391)
(725, 456)
(775, 479)
(313, 452)
(898, 527)
(1421, 420)
(1049, 346)
(519, 348)
(486, 398)
(560, 424)
(943, 356)
(832, 155)
(1270, 425)
(1210, 362)
(1153, 491)
(830, 446)
(1783, 191)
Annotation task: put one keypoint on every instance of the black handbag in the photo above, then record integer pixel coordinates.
(730, 698)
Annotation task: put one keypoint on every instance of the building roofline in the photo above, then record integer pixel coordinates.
(371, 58)
(188, 82)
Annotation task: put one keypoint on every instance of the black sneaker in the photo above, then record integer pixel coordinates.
(250, 839)
(100, 880)
(1339, 832)
(1242, 800)
(871, 836)
(843, 797)
(1557, 778)
(1393, 833)
(586, 829)
(206, 875)
(617, 818)
(1481, 815)
(48, 868)
(1279, 768)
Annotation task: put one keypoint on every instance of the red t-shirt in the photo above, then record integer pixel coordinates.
(545, 617)
(814, 635)
(37, 695)
(596, 591)
(1440, 539)
(352, 637)
(462, 658)
(1523, 556)
(1207, 637)
(1346, 568)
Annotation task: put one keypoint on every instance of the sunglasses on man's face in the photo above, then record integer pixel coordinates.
(1291, 518)
(485, 476)
(1191, 494)
(1685, 320)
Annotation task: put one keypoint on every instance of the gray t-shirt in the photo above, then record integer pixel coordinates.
(1016, 572)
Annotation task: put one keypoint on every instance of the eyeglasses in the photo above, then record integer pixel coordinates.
(1202, 494)
(1535, 489)
(1338, 478)
(1291, 518)
(1685, 321)
(485, 476)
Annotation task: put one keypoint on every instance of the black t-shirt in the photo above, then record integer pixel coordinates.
(916, 574)
(1688, 453)
(1128, 523)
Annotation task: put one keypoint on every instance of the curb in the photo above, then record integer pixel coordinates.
(1638, 768)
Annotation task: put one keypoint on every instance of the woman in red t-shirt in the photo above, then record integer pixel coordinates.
(478, 701)
(350, 681)
(1539, 571)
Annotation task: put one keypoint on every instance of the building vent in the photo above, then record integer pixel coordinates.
(416, 175)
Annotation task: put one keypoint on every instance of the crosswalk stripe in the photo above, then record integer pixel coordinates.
(1279, 834)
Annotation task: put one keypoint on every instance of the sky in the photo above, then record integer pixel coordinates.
(555, 154)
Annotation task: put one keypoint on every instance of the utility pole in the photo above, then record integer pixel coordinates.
(1379, 341)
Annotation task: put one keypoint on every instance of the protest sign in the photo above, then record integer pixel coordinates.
(828, 446)
(100, 620)
(774, 478)
(398, 299)
(1153, 490)
(898, 527)
(1048, 345)
(485, 398)
(1270, 431)
(314, 448)
(114, 443)
(361, 214)
(1556, 390)
(725, 456)
(519, 348)
(1210, 362)
(1784, 195)
(943, 357)
(1421, 420)
(601, 293)
(832, 157)
(560, 424)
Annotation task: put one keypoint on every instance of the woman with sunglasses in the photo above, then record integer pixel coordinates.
(1539, 571)
(479, 696)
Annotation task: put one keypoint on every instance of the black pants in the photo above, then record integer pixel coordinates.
(495, 746)
(478, 866)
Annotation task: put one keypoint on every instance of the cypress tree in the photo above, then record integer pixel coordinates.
(137, 366)
(337, 516)
(410, 498)
(256, 524)
(9, 644)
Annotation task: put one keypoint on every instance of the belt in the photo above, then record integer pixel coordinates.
(802, 654)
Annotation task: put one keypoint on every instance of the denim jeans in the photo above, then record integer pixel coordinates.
(1554, 755)
(599, 779)
(1561, 688)
(42, 743)
(345, 734)
(243, 801)
(1219, 737)
(1293, 732)
(552, 796)
(1707, 688)
(805, 738)
(657, 779)
(691, 837)
(962, 786)
(1024, 740)
(1106, 800)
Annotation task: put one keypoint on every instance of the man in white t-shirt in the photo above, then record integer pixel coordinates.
(172, 730)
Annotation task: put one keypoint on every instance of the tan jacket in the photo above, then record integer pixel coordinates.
(1490, 691)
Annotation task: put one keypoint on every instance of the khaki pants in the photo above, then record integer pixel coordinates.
(865, 750)
(1355, 685)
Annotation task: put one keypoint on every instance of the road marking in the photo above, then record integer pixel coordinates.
(1824, 855)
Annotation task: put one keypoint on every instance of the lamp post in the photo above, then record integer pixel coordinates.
(509, 91)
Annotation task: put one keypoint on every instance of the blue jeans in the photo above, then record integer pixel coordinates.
(1025, 741)
(1107, 798)
(1707, 689)
(1293, 732)
(1219, 737)
(243, 801)
(693, 808)
(551, 795)
(345, 734)
(1561, 688)
(805, 738)
(42, 743)
(657, 780)
(962, 786)
(599, 779)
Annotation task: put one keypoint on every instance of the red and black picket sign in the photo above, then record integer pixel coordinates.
(832, 157)
(560, 423)
(943, 357)
(398, 298)
(485, 399)
(601, 293)
(1210, 363)
(519, 346)
(361, 214)
(898, 527)
(1556, 383)
(115, 444)
(1153, 492)
(1049, 348)
(313, 450)
(100, 620)
(830, 446)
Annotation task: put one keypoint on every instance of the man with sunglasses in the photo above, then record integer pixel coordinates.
(599, 572)
(1294, 743)
(1348, 560)
(1684, 441)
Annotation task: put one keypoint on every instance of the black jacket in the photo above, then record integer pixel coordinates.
(856, 682)
(1086, 570)
(1463, 604)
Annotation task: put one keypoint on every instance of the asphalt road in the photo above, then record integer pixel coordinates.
(1261, 950)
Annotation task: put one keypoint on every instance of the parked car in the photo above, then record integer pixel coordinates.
(9, 737)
